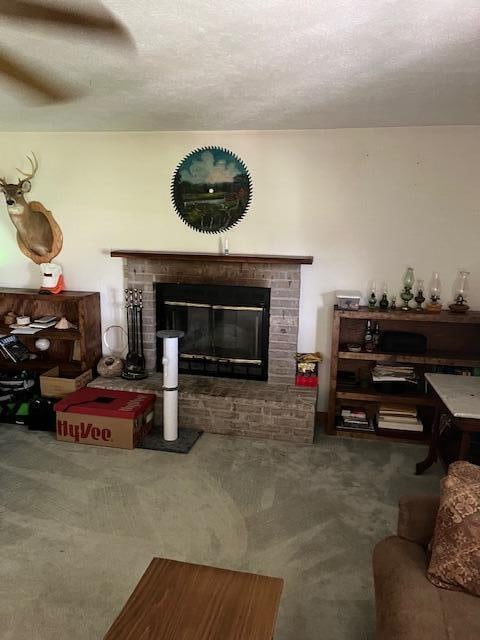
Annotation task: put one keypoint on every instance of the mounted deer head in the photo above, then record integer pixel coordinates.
(14, 193)
(38, 235)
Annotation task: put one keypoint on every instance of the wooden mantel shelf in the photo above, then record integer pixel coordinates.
(211, 257)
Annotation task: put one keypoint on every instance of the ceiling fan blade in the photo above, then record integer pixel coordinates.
(32, 80)
(43, 12)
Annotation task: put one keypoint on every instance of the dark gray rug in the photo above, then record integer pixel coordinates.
(80, 524)
(183, 444)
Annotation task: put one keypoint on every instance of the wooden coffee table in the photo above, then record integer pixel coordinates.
(182, 601)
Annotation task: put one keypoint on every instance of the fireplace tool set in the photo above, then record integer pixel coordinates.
(135, 361)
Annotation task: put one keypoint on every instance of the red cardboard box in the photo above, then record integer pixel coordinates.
(105, 418)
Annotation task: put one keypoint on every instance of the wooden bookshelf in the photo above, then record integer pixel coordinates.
(430, 357)
(372, 395)
(73, 350)
(452, 340)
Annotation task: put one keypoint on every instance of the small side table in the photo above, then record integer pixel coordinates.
(182, 601)
(459, 396)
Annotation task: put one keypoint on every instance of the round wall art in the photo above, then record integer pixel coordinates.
(211, 189)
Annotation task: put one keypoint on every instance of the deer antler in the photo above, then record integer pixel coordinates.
(3, 182)
(33, 164)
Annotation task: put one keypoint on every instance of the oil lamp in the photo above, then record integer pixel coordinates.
(383, 304)
(372, 298)
(434, 306)
(460, 305)
(419, 298)
(407, 295)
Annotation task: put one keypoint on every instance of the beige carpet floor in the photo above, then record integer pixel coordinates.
(79, 525)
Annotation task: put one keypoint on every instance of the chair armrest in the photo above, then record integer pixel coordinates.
(416, 518)
(408, 606)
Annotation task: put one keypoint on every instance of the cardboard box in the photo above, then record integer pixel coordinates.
(105, 418)
(56, 385)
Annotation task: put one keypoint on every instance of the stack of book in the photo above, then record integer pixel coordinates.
(395, 379)
(394, 373)
(45, 322)
(354, 419)
(398, 417)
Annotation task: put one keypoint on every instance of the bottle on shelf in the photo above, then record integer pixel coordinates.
(383, 304)
(376, 337)
(372, 298)
(368, 338)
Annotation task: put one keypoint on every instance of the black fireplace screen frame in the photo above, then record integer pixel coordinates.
(220, 299)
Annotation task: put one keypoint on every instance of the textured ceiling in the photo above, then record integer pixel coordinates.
(258, 64)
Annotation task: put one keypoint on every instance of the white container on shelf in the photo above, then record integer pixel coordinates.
(348, 300)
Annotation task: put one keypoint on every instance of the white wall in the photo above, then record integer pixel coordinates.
(364, 202)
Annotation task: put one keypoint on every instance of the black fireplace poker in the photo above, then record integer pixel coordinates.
(135, 361)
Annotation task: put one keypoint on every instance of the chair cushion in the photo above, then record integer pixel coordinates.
(455, 559)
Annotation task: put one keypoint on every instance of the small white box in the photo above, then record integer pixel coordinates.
(348, 300)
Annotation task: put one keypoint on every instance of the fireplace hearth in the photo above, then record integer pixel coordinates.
(226, 328)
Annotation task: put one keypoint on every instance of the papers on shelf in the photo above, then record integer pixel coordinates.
(37, 325)
(394, 373)
(43, 325)
(26, 330)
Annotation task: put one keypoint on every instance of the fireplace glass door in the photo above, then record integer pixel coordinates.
(225, 327)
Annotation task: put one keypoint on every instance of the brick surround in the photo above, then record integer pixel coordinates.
(274, 409)
(283, 281)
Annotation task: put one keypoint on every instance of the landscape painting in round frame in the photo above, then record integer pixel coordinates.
(211, 189)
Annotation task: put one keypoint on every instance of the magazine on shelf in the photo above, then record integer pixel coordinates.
(415, 425)
(402, 419)
(12, 349)
(354, 419)
(347, 426)
(43, 325)
(46, 320)
(403, 410)
(29, 330)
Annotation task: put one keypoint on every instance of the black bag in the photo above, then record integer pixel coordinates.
(403, 342)
(41, 414)
(16, 390)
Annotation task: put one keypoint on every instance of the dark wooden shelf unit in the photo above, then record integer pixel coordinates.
(452, 340)
(372, 395)
(51, 332)
(431, 357)
(73, 350)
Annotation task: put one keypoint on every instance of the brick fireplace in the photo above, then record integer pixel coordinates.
(271, 409)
